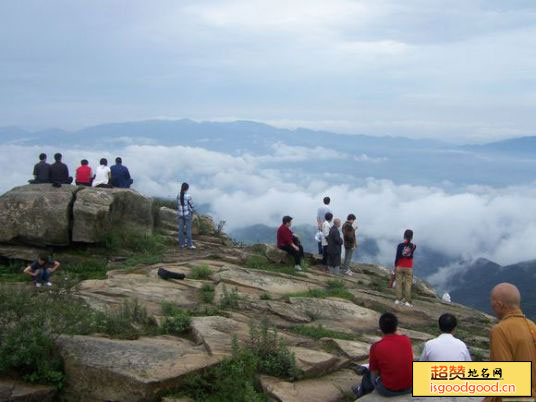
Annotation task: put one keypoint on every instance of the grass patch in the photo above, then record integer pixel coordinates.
(177, 321)
(262, 263)
(341, 293)
(204, 311)
(135, 242)
(229, 300)
(266, 296)
(317, 332)
(200, 272)
(206, 293)
(128, 321)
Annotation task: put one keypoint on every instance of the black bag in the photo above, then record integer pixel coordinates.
(165, 274)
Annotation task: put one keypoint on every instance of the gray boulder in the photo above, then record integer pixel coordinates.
(98, 211)
(37, 214)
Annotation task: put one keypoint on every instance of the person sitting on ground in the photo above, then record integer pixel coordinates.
(286, 241)
(185, 213)
(390, 363)
(334, 248)
(404, 269)
(102, 175)
(41, 269)
(350, 242)
(513, 339)
(320, 218)
(59, 172)
(120, 174)
(84, 174)
(41, 171)
(446, 348)
(326, 226)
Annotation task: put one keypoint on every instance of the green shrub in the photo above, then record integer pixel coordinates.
(128, 321)
(262, 263)
(266, 296)
(135, 242)
(200, 272)
(177, 320)
(206, 293)
(317, 332)
(334, 284)
(229, 300)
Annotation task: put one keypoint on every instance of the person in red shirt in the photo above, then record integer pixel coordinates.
(390, 370)
(84, 174)
(288, 242)
(404, 269)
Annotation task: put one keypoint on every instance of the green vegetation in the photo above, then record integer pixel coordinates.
(266, 296)
(262, 263)
(177, 321)
(200, 272)
(235, 379)
(317, 332)
(206, 293)
(135, 242)
(128, 321)
(204, 227)
(334, 289)
(229, 300)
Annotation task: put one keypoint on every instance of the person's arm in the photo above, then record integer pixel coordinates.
(191, 203)
(55, 266)
(424, 354)
(35, 172)
(339, 239)
(398, 253)
(127, 174)
(325, 229)
(28, 271)
(500, 350)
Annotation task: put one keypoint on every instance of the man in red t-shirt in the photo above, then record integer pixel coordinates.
(288, 242)
(84, 175)
(390, 363)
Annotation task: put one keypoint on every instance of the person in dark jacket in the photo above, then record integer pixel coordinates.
(334, 248)
(59, 172)
(120, 175)
(286, 241)
(41, 171)
(350, 242)
(404, 269)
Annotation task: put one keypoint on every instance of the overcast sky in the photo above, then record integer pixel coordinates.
(457, 70)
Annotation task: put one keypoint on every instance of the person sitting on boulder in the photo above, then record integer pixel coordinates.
(286, 241)
(185, 213)
(120, 175)
(102, 175)
(404, 269)
(84, 174)
(445, 348)
(333, 248)
(390, 363)
(326, 226)
(41, 171)
(41, 269)
(350, 242)
(59, 172)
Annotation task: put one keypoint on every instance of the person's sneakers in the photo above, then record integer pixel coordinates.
(297, 268)
(356, 389)
(407, 304)
(37, 285)
(397, 302)
(192, 247)
(49, 284)
(348, 272)
(359, 369)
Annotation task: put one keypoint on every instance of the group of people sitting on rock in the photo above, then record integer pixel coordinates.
(58, 173)
(390, 367)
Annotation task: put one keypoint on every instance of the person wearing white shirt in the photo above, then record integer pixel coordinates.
(321, 218)
(103, 175)
(326, 226)
(445, 347)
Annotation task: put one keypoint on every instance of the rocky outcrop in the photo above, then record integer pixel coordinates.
(18, 391)
(166, 223)
(98, 212)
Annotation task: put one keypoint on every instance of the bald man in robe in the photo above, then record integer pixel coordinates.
(514, 337)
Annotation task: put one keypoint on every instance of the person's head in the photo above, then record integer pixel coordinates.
(327, 200)
(42, 157)
(84, 162)
(118, 160)
(57, 157)
(184, 187)
(505, 299)
(42, 258)
(328, 216)
(351, 218)
(447, 323)
(337, 222)
(408, 235)
(287, 220)
(388, 323)
(103, 162)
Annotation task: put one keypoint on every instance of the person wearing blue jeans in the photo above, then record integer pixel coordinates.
(185, 212)
(41, 269)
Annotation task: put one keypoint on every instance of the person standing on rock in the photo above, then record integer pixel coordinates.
(326, 227)
(84, 174)
(41, 171)
(513, 339)
(320, 219)
(287, 242)
(59, 172)
(445, 348)
(41, 269)
(102, 175)
(120, 175)
(404, 269)
(333, 249)
(185, 212)
(350, 242)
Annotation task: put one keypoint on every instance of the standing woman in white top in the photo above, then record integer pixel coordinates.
(103, 175)
(185, 211)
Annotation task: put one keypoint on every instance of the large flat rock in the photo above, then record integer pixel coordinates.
(217, 333)
(354, 350)
(37, 214)
(100, 369)
(314, 363)
(15, 391)
(330, 388)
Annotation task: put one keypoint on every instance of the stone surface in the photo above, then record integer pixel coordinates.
(216, 333)
(314, 363)
(14, 391)
(15, 252)
(37, 215)
(373, 397)
(278, 256)
(330, 388)
(354, 350)
(99, 211)
(100, 369)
